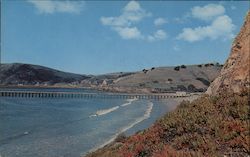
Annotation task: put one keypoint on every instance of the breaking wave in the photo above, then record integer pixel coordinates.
(105, 111)
(129, 101)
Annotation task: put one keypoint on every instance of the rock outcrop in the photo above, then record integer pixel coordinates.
(235, 73)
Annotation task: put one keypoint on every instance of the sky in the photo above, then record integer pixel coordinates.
(97, 37)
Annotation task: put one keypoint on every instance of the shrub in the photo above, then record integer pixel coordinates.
(142, 84)
(177, 68)
(153, 68)
(200, 65)
(183, 67)
(191, 88)
(155, 81)
(204, 81)
(120, 138)
(145, 71)
(207, 65)
(170, 80)
(181, 87)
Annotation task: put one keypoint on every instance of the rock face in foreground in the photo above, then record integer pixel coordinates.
(234, 75)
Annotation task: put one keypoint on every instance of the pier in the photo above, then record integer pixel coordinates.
(36, 94)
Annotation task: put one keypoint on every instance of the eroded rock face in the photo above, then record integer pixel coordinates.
(235, 73)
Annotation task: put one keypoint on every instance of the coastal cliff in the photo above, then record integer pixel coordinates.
(235, 74)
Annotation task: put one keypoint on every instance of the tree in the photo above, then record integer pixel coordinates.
(177, 68)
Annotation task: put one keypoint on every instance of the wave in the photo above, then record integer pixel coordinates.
(105, 111)
(144, 117)
(129, 101)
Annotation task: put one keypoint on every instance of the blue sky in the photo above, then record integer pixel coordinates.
(96, 37)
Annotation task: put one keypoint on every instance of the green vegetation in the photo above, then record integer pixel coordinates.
(177, 68)
(204, 81)
(208, 126)
(144, 71)
(183, 66)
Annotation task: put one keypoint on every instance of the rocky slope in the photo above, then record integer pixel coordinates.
(27, 74)
(235, 74)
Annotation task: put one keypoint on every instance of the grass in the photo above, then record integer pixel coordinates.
(208, 126)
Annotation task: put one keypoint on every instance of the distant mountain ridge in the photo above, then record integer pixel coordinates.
(191, 78)
(28, 74)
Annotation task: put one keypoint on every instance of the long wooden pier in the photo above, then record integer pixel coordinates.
(36, 94)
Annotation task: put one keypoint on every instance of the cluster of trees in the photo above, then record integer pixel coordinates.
(177, 68)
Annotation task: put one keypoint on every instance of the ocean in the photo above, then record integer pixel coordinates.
(70, 127)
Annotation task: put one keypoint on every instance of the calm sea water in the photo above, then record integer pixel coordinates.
(69, 127)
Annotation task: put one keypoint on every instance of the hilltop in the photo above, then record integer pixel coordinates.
(28, 74)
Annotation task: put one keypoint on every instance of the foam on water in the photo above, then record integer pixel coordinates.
(105, 111)
(129, 102)
(146, 115)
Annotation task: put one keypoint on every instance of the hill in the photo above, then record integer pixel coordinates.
(28, 74)
(191, 78)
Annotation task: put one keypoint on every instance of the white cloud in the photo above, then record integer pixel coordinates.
(158, 35)
(160, 21)
(129, 33)
(53, 6)
(221, 27)
(207, 12)
(132, 6)
(131, 13)
(125, 24)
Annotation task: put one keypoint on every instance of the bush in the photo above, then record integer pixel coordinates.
(181, 87)
(204, 81)
(177, 68)
(142, 84)
(183, 67)
(120, 138)
(153, 68)
(170, 80)
(155, 81)
(191, 88)
(145, 71)
(200, 65)
(217, 64)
